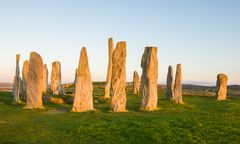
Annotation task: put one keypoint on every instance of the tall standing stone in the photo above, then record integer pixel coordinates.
(136, 83)
(56, 78)
(24, 79)
(45, 79)
(76, 74)
(221, 90)
(75, 80)
(149, 79)
(109, 72)
(34, 82)
(178, 85)
(118, 101)
(170, 83)
(17, 82)
(83, 100)
(21, 87)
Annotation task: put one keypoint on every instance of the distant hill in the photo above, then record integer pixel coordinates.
(191, 87)
(234, 87)
(197, 87)
(161, 86)
(6, 84)
(201, 87)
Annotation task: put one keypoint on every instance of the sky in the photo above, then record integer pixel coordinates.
(202, 35)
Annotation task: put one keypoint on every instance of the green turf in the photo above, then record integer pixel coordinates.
(199, 120)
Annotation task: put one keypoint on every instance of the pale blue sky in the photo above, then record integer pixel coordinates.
(203, 35)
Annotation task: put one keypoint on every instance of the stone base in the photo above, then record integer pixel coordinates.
(155, 109)
(80, 111)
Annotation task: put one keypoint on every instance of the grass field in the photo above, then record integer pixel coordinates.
(199, 120)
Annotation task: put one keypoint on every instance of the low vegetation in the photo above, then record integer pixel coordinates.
(199, 120)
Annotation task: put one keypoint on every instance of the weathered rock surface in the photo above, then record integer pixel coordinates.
(24, 79)
(170, 83)
(221, 91)
(178, 85)
(149, 79)
(136, 83)
(56, 79)
(17, 82)
(34, 82)
(83, 99)
(45, 79)
(109, 72)
(118, 101)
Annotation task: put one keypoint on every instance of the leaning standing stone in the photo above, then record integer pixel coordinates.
(56, 78)
(109, 72)
(221, 91)
(178, 85)
(149, 79)
(24, 79)
(136, 83)
(170, 83)
(34, 82)
(83, 100)
(17, 82)
(118, 101)
(45, 79)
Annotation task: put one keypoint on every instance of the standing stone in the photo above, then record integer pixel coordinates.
(221, 90)
(178, 85)
(83, 100)
(56, 78)
(76, 74)
(34, 82)
(24, 79)
(170, 84)
(13, 91)
(45, 79)
(136, 83)
(149, 79)
(21, 88)
(75, 80)
(118, 102)
(17, 82)
(109, 72)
